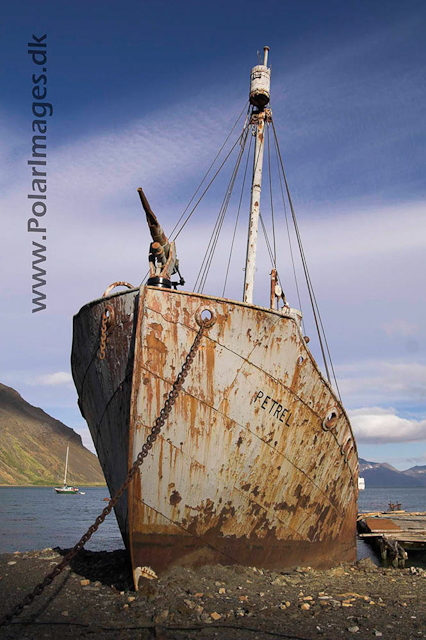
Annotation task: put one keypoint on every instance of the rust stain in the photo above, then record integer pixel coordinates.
(175, 498)
(220, 443)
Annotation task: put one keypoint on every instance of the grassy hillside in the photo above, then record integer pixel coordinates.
(33, 447)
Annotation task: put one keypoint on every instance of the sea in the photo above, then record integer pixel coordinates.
(37, 517)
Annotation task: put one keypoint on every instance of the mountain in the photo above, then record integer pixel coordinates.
(382, 474)
(417, 472)
(364, 465)
(33, 447)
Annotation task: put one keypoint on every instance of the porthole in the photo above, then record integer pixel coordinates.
(330, 421)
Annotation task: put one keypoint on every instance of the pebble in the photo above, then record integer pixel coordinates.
(84, 583)
(305, 606)
(189, 604)
(215, 615)
(378, 634)
(222, 590)
(162, 616)
(64, 613)
(131, 598)
(353, 629)
(12, 562)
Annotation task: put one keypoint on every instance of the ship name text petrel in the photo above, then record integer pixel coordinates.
(277, 410)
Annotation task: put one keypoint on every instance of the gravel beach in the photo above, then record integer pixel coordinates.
(94, 597)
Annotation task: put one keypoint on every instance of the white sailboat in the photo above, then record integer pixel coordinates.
(65, 488)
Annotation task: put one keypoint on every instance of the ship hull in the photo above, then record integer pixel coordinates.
(249, 468)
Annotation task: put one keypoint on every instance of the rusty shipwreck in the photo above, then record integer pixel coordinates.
(257, 462)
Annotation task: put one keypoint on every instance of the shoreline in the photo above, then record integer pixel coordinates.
(95, 596)
(52, 486)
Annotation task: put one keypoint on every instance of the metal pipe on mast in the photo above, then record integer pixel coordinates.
(259, 98)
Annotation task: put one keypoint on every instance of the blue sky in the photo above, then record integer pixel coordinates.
(143, 95)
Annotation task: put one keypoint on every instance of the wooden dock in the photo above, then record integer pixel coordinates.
(394, 532)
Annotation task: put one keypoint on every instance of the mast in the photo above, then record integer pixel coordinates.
(259, 97)
(66, 467)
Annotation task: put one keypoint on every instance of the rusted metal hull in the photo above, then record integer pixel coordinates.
(247, 468)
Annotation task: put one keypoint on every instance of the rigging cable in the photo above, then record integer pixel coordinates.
(289, 238)
(237, 218)
(272, 202)
(212, 180)
(268, 244)
(208, 256)
(204, 178)
(314, 303)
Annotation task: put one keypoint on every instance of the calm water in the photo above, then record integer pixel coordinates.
(378, 500)
(36, 517)
(411, 499)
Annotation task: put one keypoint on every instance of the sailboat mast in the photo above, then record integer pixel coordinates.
(259, 97)
(66, 467)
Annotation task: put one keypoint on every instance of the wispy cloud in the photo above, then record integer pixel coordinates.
(55, 379)
(383, 382)
(401, 327)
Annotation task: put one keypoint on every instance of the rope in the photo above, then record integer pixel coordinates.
(211, 181)
(211, 247)
(270, 194)
(314, 303)
(202, 181)
(289, 237)
(268, 244)
(225, 209)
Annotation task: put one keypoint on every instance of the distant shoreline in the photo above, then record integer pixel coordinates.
(41, 486)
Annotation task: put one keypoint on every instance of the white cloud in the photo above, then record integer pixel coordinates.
(375, 425)
(400, 327)
(54, 379)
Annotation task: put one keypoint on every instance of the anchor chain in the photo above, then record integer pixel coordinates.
(158, 424)
(104, 325)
